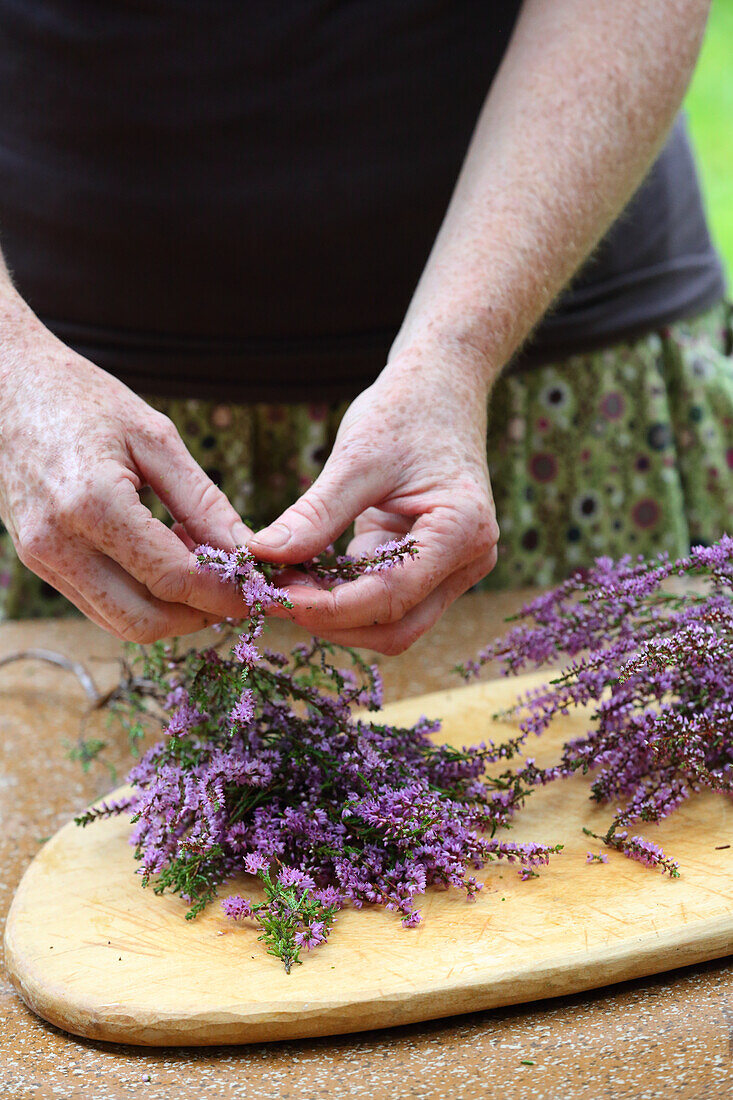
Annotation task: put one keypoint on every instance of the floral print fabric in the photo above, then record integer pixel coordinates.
(624, 450)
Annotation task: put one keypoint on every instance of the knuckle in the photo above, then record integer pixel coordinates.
(354, 455)
(36, 540)
(490, 529)
(482, 528)
(487, 535)
(172, 585)
(382, 608)
(163, 428)
(393, 605)
(399, 643)
(211, 497)
(314, 510)
(204, 500)
(73, 507)
(337, 607)
(138, 627)
(335, 610)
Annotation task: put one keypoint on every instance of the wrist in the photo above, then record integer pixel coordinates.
(454, 350)
(19, 329)
(11, 303)
(16, 316)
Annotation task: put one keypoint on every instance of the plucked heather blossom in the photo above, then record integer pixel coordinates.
(645, 851)
(656, 667)
(267, 768)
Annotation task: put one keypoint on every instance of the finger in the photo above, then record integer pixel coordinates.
(66, 589)
(114, 521)
(188, 493)
(447, 540)
(395, 638)
(340, 493)
(180, 532)
(122, 602)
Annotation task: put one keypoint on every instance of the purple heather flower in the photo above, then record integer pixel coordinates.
(245, 652)
(313, 935)
(329, 896)
(289, 876)
(243, 710)
(255, 862)
(176, 697)
(237, 907)
(184, 719)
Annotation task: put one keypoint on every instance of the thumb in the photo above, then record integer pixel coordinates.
(334, 500)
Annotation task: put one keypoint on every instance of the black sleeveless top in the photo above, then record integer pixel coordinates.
(235, 198)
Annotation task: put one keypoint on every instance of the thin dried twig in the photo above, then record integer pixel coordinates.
(95, 696)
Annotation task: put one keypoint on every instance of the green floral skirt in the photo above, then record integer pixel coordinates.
(625, 450)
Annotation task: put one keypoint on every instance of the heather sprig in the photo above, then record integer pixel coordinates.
(294, 915)
(656, 668)
(634, 847)
(343, 567)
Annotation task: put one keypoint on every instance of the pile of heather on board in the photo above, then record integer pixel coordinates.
(657, 669)
(264, 768)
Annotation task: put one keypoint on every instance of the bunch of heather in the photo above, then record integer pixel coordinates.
(269, 766)
(657, 669)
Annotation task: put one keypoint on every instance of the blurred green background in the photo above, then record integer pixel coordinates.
(710, 108)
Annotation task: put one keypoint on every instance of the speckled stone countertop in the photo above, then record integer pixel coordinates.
(669, 1036)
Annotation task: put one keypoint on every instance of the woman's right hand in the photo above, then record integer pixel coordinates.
(76, 446)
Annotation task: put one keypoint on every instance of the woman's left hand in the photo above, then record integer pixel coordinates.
(410, 455)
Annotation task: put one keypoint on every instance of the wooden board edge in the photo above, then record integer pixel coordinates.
(651, 954)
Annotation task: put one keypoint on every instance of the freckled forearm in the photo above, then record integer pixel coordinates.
(10, 300)
(16, 319)
(26, 346)
(579, 109)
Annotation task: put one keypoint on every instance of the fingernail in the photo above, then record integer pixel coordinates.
(240, 532)
(275, 536)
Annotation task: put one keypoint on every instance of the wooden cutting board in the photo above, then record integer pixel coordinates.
(92, 952)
